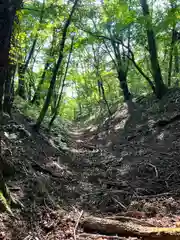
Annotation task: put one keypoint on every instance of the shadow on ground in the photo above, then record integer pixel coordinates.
(127, 162)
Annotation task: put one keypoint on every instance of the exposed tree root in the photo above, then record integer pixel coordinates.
(129, 229)
(163, 123)
(6, 199)
(131, 219)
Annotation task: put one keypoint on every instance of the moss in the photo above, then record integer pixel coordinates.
(4, 205)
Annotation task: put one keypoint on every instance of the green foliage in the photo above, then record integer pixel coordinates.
(94, 24)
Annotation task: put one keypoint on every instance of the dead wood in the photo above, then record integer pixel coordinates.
(155, 195)
(129, 229)
(42, 169)
(163, 123)
(89, 147)
(77, 223)
(83, 236)
(131, 219)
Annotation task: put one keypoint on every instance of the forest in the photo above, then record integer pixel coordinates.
(89, 119)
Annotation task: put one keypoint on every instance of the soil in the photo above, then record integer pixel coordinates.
(126, 165)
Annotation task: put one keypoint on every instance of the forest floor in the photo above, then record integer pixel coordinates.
(126, 166)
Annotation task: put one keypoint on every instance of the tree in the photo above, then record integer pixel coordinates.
(61, 89)
(156, 71)
(136, 49)
(50, 54)
(22, 68)
(56, 68)
(99, 78)
(8, 12)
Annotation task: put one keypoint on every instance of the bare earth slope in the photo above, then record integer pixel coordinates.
(128, 165)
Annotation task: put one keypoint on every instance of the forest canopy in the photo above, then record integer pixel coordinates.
(89, 119)
(72, 59)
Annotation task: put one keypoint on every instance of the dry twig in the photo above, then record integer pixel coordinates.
(99, 236)
(130, 219)
(77, 223)
(155, 195)
(155, 169)
(125, 208)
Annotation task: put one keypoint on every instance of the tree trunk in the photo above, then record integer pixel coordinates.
(104, 98)
(62, 87)
(21, 81)
(129, 228)
(122, 70)
(56, 68)
(173, 40)
(21, 91)
(100, 81)
(131, 58)
(7, 12)
(176, 60)
(157, 76)
(9, 89)
(36, 96)
(124, 86)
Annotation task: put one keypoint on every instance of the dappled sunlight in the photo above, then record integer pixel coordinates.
(124, 170)
(161, 136)
(151, 123)
(120, 125)
(93, 128)
(89, 120)
(79, 141)
(75, 150)
(58, 169)
(121, 113)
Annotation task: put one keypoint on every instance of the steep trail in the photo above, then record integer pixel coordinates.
(125, 165)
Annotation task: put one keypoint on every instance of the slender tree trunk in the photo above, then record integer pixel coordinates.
(173, 40)
(122, 74)
(143, 74)
(157, 76)
(56, 68)
(176, 60)
(36, 97)
(176, 65)
(124, 86)
(104, 98)
(7, 12)
(100, 81)
(9, 89)
(21, 91)
(62, 87)
(21, 81)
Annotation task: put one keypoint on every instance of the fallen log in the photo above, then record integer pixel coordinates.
(84, 236)
(131, 219)
(129, 229)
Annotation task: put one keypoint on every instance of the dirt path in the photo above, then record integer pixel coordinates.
(102, 171)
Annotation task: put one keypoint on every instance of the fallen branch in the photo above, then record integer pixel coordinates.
(155, 169)
(154, 195)
(90, 147)
(163, 123)
(130, 219)
(36, 166)
(107, 192)
(99, 236)
(77, 223)
(120, 204)
(129, 229)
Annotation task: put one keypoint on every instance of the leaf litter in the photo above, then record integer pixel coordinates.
(131, 170)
